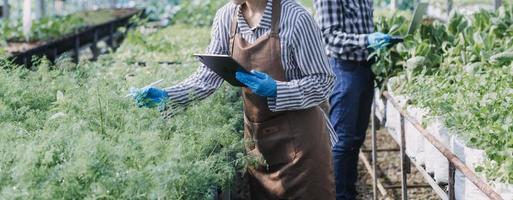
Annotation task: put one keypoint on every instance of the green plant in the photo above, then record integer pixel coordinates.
(78, 137)
(53, 27)
(463, 73)
(198, 12)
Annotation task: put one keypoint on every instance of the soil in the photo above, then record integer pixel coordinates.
(17, 47)
(389, 172)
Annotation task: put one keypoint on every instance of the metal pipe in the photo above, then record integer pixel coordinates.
(374, 153)
(452, 177)
(404, 178)
(458, 164)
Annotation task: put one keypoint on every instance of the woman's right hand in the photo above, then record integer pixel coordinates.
(149, 97)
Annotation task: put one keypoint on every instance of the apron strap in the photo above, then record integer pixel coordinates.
(233, 29)
(275, 24)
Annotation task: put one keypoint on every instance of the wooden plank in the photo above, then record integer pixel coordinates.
(436, 188)
(380, 186)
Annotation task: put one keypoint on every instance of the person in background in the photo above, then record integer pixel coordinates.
(280, 45)
(348, 30)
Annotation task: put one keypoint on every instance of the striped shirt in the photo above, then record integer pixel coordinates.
(345, 25)
(310, 79)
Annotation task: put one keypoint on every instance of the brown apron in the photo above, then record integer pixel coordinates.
(294, 144)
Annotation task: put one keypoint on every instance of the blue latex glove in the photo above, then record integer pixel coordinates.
(378, 40)
(260, 83)
(149, 96)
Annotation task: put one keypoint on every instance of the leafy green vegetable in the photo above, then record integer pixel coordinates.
(503, 58)
(462, 72)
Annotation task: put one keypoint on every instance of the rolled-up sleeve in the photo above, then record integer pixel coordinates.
(204, 81)
(317, 78)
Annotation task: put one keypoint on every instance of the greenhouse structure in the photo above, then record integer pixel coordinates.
(256, 99)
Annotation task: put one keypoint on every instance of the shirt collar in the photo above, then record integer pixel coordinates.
(265, 22)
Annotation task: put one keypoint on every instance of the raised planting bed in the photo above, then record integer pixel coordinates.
(93, 26)
(424, 154)
(456, 80)
(460, 73)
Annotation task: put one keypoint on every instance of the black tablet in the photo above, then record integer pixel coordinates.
(223, 65)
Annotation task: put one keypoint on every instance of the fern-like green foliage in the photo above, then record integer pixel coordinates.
(198, 12)
(70, 132)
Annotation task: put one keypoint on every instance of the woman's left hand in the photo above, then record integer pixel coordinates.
(260, 83)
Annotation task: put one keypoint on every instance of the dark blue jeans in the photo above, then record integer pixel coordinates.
(350, 113)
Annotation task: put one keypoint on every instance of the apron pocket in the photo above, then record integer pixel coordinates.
(274, 140)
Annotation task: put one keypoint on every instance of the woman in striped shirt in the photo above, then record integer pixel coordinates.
(280, 44)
